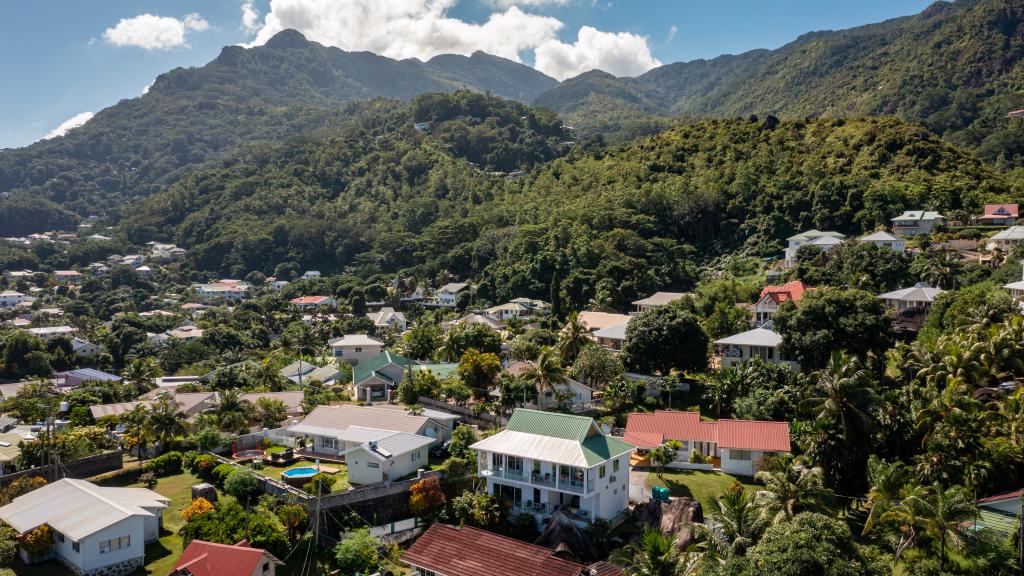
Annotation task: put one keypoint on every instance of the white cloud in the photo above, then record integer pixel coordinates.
(145, 89)
(672, 30)
(250, 17)
(618, 53)
(73, 122)
(538, 3)
(154, 32)
(423, 29)
(195, 22)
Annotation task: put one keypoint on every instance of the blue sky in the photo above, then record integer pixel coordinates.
(63, 58)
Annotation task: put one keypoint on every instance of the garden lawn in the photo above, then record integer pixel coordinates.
(698, 484)
(342, 485)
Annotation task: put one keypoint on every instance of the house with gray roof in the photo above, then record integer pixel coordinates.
(914, 222)
(883, 239)
(741, 348)
(824, 240)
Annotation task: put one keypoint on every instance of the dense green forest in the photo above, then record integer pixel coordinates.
(956, 68)
(376, 196)
(288, 87)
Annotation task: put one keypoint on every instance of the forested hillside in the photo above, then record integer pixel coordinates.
(288, 87)
(956, 68)
(377, 196)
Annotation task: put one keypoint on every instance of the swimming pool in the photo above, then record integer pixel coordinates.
(303, 472)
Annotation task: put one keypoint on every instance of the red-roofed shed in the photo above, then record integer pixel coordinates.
(201, 558)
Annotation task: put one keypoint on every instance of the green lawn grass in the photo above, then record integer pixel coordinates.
(274, 472)
(702, 486)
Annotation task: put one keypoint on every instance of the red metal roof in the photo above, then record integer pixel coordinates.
(202, 558)
(650, 429)
(792, 290)
(470, 551)
(754, 435)
(993, 211)
(1000, 497)
(604, 568)
(310, 299)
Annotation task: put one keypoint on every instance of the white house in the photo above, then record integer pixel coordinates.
(11, 298)
(735, 446)
(658, 299)
(310, 274)
(544, 461)
(387, 318)
(84, 348)
(1016, 289)
(914, 222)
(509, 310)
(311, 302)
(447, 295)
(612, 338)
(883, 239)
(353, 348)
(920, 295)
(773, 296)
(96, 529)
(47, 332)
(762, 343)
(332, 431)
(222, 290)
(1006, 240)
(68, 276)
(388, 457)
(145, 271)
(824, 240)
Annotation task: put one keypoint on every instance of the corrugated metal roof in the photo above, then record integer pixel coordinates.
(660, 299)
(525, 445)
(598, 448)
(599, 320)
(643, 428)
(470, 551)
(203, 558)
(396, 444)
(364, 370)
(755, 337)
(567, 426)
(754, 435)
(342, 417)
(77, 508)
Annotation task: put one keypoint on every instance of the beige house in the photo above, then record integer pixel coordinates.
(354, 348)
(741, 348)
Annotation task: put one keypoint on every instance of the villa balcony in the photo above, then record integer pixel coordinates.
(539, 480)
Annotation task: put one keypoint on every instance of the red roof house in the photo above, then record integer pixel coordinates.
(739, 444)
(470, 551)
(304, 302)
(201, 558)
(773, 296)
(999, 214)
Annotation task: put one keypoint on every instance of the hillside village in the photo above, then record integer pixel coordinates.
(412, 418)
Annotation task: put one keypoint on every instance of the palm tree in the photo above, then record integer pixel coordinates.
(232, 411)
(137, 419)
(940, 512)
(547, 372)
(139, 375)
(655, 555)
(887, 479)
(733, 527)
(790, 490)
(262, 375)
(844, 395)
(165, 420)
(572, 338)
(664, 455)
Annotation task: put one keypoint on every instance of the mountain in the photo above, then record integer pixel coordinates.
(956, 68)
(289, 86)
(377, 197)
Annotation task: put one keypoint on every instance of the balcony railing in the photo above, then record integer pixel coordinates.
(542, 480)
(575, 485)
(536, 479)
(512, 474)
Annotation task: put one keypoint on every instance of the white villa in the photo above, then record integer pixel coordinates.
(762, 343)
(823, 240)
(1016, 289)
(914, 222)
(543, 461)
(387, 318)
(920, 295)
(353, 348)
(447, 295)
(222, 290)
(11, 298)
(612, 338)
(885, 240)
(658, 299)
(96, 530)
(1006, 240)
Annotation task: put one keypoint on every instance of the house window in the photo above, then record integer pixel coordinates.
(113, 544)
(600, 471)
(495, 461)
(415, 456)
(372, 465)
(425, 572)
(762, 352)
(515, 463)
(74, 546)
(60, 537)
(328, 443)
(740, 454)
(615, 465)
(359, 349)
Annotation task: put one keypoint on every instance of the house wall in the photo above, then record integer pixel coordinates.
(581, 395)
(361, 470)
(747, 353)
(88, 556)
(734, 464)
(356, 354)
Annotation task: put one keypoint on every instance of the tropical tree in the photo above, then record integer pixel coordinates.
(572, 338)
(939, 511)
(791, 489)
(139, 374)
(270, 411)
(735, 524)
(664, 455)
(887, 480)
(655, 554)
(137, 419)
(165, 420)
(233, 412)
(547, 372)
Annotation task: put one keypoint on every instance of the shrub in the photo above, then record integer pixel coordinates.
(320, 484)
(149, 479)
(188, 459)
(425, 496)
(221, 472)
(38, 541)
(8, 544)
(198, 507)
(20, 487)
(204, 465)
(697, 458)
(241, 484)
(166, 464)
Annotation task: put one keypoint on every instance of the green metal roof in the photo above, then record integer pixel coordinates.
(364, 370)
(553, 424)
(598, 448)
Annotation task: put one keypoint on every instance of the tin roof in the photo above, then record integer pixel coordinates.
(650, 429)
(470, 551)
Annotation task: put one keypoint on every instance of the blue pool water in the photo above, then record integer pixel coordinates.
(300, 472)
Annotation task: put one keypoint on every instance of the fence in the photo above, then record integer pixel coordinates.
(397, 532)
(485, 419)
(78, 468)
(276, 436)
